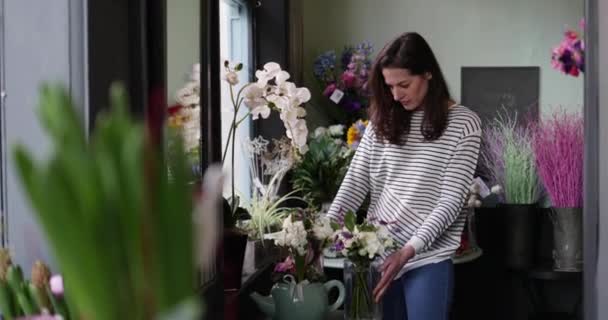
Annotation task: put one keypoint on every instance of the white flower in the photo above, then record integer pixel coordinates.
(297, 132)
(382, 232)
(496, 189)
(255, 102)
(232, 78)
(188, 96)
(319, 131)
(302, 95)
(322, 229)
(269, 72)
(293, 235)
(336, 130)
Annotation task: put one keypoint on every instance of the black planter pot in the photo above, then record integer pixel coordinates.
(521, 223)
(233, 250)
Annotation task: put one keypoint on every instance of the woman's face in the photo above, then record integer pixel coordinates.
(407, 89)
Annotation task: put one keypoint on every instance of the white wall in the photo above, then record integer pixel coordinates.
(183, 42)
(461, 33)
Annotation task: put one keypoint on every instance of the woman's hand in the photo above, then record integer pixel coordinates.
(391, 266)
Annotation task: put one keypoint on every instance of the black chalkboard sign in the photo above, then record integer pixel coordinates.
(507, 90)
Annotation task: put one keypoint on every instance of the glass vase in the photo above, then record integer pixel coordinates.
(360, 279)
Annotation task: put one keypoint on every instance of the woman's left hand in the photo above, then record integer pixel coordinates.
(391, 266)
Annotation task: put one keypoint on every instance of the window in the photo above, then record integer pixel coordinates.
(235, 47)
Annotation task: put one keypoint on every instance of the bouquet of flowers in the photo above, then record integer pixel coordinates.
(304, 235)
(361, 244)
(183, 120)
(569, 55)
(346, 85)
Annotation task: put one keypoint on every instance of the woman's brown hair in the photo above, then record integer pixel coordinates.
(408, 51)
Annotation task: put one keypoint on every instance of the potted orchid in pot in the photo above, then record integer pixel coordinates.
(300, 293)
(558, 150)
(271, 92)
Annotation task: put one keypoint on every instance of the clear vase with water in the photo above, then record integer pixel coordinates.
(360, 279)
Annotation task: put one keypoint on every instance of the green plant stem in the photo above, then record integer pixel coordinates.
(362, 302)
(227, 144)
(236, 103)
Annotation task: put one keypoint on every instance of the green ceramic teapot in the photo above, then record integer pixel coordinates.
(301, 301)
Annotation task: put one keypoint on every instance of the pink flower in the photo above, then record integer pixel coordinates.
(56, 283)
(287, 266)
(349, 79)
(329, 89)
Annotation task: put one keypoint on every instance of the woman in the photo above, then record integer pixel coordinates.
(416, 160)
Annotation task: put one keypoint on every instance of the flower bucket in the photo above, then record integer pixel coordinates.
(567, 239)
(521, 226)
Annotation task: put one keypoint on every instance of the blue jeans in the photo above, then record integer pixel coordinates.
(424, 293)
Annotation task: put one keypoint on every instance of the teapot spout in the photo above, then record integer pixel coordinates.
(265, 303)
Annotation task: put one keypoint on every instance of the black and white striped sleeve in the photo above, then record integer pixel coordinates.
(356, 183)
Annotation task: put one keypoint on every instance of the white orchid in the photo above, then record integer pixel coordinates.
(273, 91)
(269, 72)
(232, 78)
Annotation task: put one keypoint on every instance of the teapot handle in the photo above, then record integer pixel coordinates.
(335, 284)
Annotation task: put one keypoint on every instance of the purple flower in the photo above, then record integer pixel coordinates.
(339, 246)
(350, 105)
(347, 235)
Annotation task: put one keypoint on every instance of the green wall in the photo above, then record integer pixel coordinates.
(183, 39)
(461, 33)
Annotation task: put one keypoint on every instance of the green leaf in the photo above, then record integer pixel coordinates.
(334, 225)
(238, 67)
(350, 221)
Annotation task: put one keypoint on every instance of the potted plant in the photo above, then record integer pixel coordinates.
(121, 231)
(271, 92)
(508, 155)
(320, 172)
(268, 165)
(558, 150)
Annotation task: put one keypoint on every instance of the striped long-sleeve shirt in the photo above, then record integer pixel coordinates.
(419, 187)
